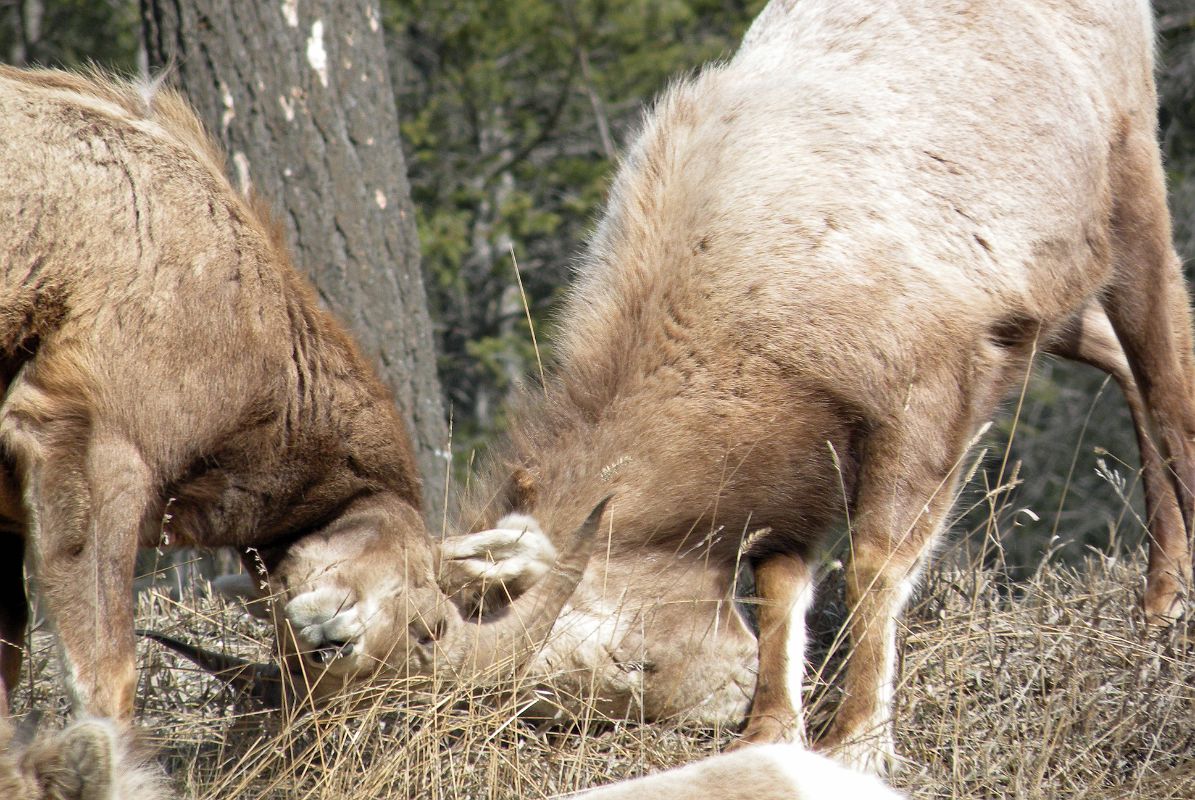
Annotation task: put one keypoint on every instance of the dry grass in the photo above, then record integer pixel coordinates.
(1050, 688)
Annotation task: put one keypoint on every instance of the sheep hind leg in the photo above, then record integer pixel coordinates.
(1091, 340)
(1148, 307)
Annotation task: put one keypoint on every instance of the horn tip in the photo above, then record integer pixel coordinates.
(598, 510)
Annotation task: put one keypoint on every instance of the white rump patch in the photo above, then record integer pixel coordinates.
(317, 56)
(380, 198)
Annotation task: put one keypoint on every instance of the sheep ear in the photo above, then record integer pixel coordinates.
(243, 589)
(521, 492)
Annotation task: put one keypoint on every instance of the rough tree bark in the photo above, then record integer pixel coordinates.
(299, 94)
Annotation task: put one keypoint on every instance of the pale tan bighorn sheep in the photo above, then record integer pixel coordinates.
(822, 266)
(168, 378)
(779, 771)
(93, 759)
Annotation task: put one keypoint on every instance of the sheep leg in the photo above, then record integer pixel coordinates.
(784, 586)
(1093, 341)
(14, 613)
(906, 484)
(1148, 308)
(87, 494)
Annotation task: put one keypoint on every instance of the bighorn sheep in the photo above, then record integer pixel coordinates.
(767, 772)
(168, 378)
(822, 265)
(91, 760)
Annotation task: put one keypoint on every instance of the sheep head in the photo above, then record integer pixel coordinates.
(359, 599)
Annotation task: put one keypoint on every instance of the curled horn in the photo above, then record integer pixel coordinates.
(507, 639)
(262, 682)
(512, 635)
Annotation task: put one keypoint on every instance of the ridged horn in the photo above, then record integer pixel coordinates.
(263, 682)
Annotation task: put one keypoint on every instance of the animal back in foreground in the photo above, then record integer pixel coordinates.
(92, 759)
(766, 772)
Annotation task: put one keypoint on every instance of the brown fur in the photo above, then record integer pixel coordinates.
(822, 266)
(170, 379)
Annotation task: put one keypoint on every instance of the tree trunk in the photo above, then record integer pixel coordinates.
(300, 96)
(27, 18)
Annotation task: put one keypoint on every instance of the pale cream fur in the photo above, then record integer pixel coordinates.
(766, 772)
(822, 266)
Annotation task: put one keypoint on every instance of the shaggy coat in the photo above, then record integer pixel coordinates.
(822, 266)
(168, 378)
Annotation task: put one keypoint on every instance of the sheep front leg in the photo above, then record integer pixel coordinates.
(785, 588)
(87, 501)
(905, 488)
(1149, 307)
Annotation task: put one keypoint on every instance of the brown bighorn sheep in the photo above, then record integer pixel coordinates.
(767, 772)
(168, 378)
(92, 759)
(822, 265)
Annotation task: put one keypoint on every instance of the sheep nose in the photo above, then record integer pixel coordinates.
(329, 651)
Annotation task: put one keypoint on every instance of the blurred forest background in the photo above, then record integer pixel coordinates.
(512, 116)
